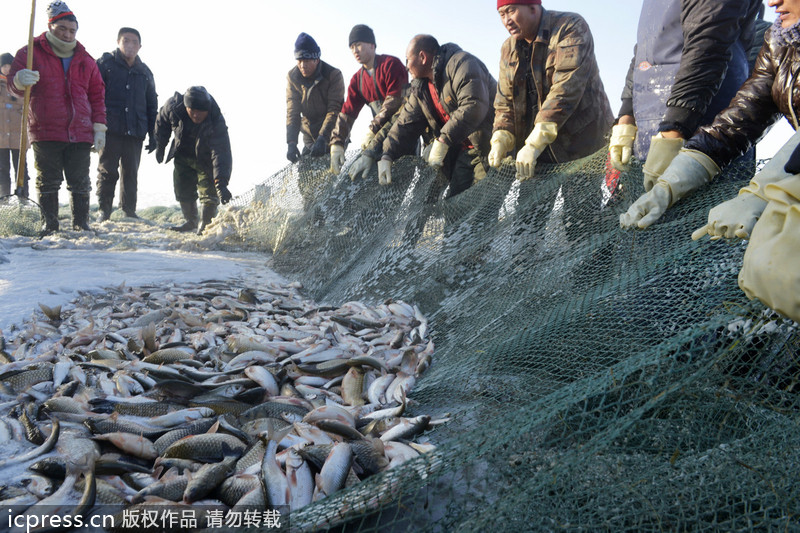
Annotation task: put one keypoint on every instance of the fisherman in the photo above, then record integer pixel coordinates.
(379, 83)
(67, 114)
(314, 96)
(10, 130)
(131, 108)
(550, 106)
(202, 152)
(451, 94)
(690, 59)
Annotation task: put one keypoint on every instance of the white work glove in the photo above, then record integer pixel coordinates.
(620, 147)
(337, 158)
(689, 171)
(737, 217)
(384, 172)
(502, 142)
(662, 152)
(540, 138)
(99, 137)
(361, 166)
(367, 140)
(25, 78)
(436, 155)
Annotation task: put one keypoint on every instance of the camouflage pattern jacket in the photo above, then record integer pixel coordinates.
(568, 84)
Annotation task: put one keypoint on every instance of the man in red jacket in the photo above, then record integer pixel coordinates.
(67, 114)
(379, 84)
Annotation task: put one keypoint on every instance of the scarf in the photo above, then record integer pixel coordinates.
(786, 36)
(61, 48)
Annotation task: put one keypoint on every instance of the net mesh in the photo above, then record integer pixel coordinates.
(20, 216)
(593, 378)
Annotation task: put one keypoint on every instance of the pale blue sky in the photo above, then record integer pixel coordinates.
(241, 51)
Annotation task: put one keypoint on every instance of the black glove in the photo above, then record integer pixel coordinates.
(320, 147)
(151, 144)
(160, 154)
(224, 194)
(293, 154)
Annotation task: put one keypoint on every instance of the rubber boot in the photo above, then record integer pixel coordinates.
(106, 206)
(190, 214)
(209, 212)
(48, 201)
(80, 212)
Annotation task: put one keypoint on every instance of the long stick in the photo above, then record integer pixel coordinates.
(23, 139)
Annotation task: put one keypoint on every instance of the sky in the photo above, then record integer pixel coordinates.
(242, 51)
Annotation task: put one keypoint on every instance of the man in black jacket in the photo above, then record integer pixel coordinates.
(131, 108)
(202, 152)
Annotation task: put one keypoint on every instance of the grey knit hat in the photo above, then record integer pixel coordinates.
(59, 10)
(197, 97)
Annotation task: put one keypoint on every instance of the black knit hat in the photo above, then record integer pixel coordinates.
(197, 97)
(6, 59)
(305, 47)
(361, 33)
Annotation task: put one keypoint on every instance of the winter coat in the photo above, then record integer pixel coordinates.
(131, 99)
(772, 91)
(568, 84)
(383, 93)
(10, 117)
(212, 147)
(465, 89)
(690, 59)
(62, 107)
(312, 105)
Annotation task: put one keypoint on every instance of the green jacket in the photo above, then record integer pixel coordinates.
(568, 84)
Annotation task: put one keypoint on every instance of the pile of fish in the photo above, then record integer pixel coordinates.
(206, 394)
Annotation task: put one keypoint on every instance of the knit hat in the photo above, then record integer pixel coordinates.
(197, 97)
(305, 47)
(361, 33)
(58, 10)
(501, 3)
(6, 59)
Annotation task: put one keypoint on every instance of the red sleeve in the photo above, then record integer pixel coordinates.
(97, 93)
(354, 102)
(392, 76)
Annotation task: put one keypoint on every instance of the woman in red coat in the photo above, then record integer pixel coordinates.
(67, 113)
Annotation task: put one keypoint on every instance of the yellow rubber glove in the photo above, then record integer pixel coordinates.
(689, 171)
(385, 172)
(337, 158)
(437, 154)
(620, 147)
(543, 134)
(502, 142)
(769, 270)
(662, 152)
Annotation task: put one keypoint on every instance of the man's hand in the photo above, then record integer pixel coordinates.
(292, 153)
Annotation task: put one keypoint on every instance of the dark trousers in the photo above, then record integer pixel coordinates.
(191, 181)
(58, 160)
(119, 160)
(8, 181)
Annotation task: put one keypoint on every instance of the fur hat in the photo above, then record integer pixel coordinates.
(305, 47)
(361, 33)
